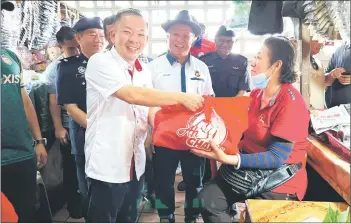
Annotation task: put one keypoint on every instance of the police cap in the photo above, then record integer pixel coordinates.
(224, 31)
(7, 5)
(88, 23)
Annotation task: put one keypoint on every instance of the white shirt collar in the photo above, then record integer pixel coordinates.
(121, 60)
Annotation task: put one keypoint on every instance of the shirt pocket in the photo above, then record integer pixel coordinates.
(214, 76)
(196, 85)
(212, 69)
(234, 78)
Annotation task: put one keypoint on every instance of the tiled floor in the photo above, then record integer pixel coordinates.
(147, 213)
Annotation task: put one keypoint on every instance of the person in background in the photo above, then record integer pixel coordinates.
(69, 48)
(317, 77)
(277, 135)
(228, 71)
(71, 92)
(179, 71)
(108, 25)
(202, 45)
(337, 78)
(53, 50)
(19, 125)
(119, 94)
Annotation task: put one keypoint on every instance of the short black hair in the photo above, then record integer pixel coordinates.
(109, 21)
(65, 33)
(127, 11)
(280, 48)
(224, 31)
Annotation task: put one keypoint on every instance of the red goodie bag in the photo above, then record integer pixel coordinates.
(223, 119)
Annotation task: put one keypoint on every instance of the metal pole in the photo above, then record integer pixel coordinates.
(305, 63)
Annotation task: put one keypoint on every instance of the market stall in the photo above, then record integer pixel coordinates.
(329, 148)
(331, 166)
(328, 152)
(30, 32)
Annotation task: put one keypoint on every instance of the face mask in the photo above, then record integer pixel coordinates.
(260, 80)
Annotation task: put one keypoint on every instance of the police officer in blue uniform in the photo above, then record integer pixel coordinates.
(228, 71)
(71, 92)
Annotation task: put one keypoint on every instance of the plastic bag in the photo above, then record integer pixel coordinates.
(222, 119)
(8, 213)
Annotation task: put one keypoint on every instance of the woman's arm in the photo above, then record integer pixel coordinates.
(276, 155)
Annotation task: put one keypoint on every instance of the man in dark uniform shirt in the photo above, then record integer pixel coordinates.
(228, 72)
(69, 47)
(337, 82)
(71, 91)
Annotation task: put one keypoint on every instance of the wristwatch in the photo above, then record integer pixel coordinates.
(40, 141)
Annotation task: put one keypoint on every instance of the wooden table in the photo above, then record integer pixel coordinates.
(330, 166)
(289, 211)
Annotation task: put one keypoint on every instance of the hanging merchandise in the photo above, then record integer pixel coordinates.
(340, 16)
(293, 9)
(37, 23)
(265, 17)
(65, 19)
(325, 19)
(27, 23)
(317, 16)
(9, 20)
(47, 16)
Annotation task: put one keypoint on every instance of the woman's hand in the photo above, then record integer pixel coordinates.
(217, 154)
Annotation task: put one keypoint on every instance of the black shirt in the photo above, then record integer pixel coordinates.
(338, 93)
(229, 75)
(70, 81)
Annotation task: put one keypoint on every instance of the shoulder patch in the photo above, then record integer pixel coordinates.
(291, 94)
(70, 59)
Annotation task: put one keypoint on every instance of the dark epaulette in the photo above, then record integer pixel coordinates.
(69, 59)
(206, 55)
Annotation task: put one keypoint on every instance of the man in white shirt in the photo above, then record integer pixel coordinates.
(119, 94)
(179, 71)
